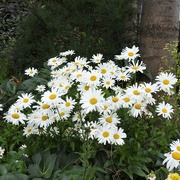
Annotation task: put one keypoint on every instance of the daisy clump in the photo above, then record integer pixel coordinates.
(90, 99)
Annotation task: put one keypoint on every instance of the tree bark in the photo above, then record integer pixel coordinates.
(159, 25)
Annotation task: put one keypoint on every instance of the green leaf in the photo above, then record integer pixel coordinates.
(35, 170)
(136, 170)
(49, 165)
(37, 158)
(3, 170)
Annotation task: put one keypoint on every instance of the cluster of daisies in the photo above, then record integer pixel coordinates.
(88, 93)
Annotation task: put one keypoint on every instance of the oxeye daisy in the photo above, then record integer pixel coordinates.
(83, 87)
(79, 116)
(137, 109)
(97, 58)
(92, 78)
(40, 88)
(1, 107)
(123, 76)
(166, 81)
(105, 134)
(175, 145)
(135, 67)
(109, 118)
(2, 150)
(135, 92)
(25, 100)
(149, 87)
(29, 129)
(103, 69)
(52, 97)
(130, 53)
(107, 82)
(115, 101)
(69, 103)
(14, 116)
(66, 53)
(44, 119)
(164, 109)
(92, 100)
(54, 62)
(126, 101)
(172, 159)
(80, 62)
(31, 71)
(118, 136)
(63, 113)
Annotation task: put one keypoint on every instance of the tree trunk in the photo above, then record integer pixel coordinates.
(159, 25)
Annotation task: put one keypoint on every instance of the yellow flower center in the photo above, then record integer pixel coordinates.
(126, 99)
(115, 99)
(164, 110)
(25, 100)
(68, 104)
(166, 81)
(29, 130)
(105, 107)
(79, 75)
(123, 77)
(52, 96)
(116, 136)
(54, 60)
(31, 72)
(130, 54)
(148, 90)
(178, 148)
(176, 155)
(136, 92)
(138, 106)
(135, 68)
(62, 113)
(93, 101)
(103, 71)
(67, 87)
(109, 119)
(105, 134)
(44, 118)
(86, 88)
(45, 106)
(15, 116)
(108, 82)
(93, 78)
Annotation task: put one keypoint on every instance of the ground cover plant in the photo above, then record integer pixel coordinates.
(80, 118)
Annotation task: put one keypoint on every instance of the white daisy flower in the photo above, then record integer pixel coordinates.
(123, 76)
(80, 62)
(92, 78)
(66, 53)
(25, 100)
(107, 82)
(137, 109)
(14, 116)
(52, 97)
(130, 53)
(1, 107)
(29, 129)
(135, 67)
(31, 71)
(109, 118)
(92, 100)
(97, 58)
(164, 109)
(172, 159)
(166, 81)
(40, 88)
(2, 150)
(69, 103)
(175, 145)
(105, 134)
(118, 136)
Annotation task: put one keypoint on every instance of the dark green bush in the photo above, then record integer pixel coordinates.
(85, 26)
